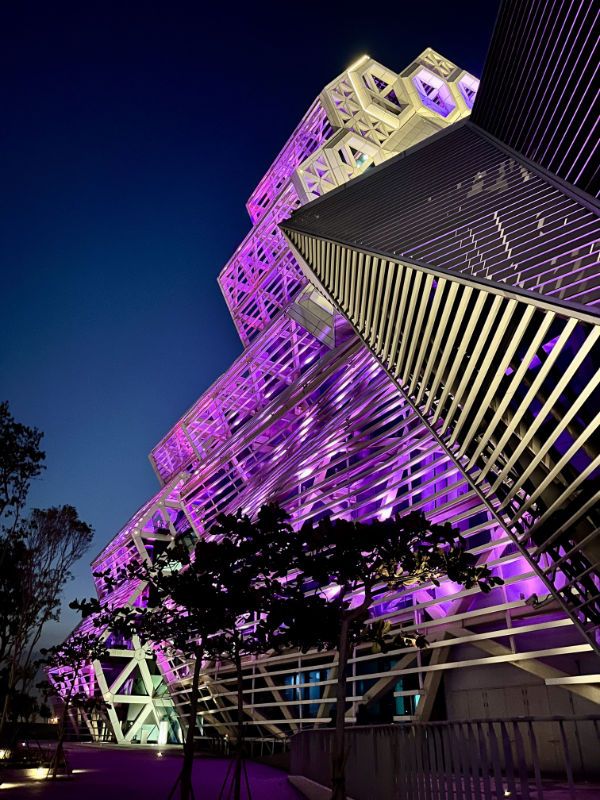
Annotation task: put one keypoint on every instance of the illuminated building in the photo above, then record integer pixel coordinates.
(359, 419)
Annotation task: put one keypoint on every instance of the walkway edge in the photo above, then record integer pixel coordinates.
(310, 789)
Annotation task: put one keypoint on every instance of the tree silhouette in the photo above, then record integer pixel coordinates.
(212, 603)
(185, 615)
(232, 597)
(248, 563)
(21, 460)
(67, 660)
(37, 553)
(44, 548)
(255, 586)
(354, 562)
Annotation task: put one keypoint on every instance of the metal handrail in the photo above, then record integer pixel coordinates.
(528, 757)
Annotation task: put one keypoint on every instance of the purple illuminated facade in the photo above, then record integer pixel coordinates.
(308, 417)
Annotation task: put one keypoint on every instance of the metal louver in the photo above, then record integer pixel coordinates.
(509, 384)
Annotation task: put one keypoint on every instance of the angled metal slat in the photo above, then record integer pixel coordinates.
(487, 371)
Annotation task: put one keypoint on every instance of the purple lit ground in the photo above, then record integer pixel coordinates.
(109, 773)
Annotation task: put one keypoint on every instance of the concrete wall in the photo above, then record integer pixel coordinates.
(503, 690)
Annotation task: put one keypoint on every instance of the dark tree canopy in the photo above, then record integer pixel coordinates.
(66, 661)
(38, 549)
(21, 460)
(255, 586)
(354, 562)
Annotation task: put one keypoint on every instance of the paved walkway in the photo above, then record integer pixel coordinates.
(111, 773)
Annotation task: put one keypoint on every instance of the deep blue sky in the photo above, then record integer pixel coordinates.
(131, 136)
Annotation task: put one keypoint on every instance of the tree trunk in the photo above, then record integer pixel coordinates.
(60, 750)
(237, 781)
(5, 711)
(338, 762)
(17, 651)
(7, 698)
(188, 746)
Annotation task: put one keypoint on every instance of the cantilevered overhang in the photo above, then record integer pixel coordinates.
(464, 202)
(465, 271)
(539, 90)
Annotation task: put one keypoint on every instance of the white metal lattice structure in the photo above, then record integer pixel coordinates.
(488, 368)
(307, 416)
(364, 117)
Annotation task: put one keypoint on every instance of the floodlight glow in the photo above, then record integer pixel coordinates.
(358, 63)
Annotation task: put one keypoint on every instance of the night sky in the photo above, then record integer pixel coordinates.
(131, 136)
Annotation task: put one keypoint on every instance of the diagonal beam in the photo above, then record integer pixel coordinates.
(431, 685)
(123, 675)
(110, 710)
(383, 685)
(254, 715)
(531, 665)
(145, 712)
(279, 699)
